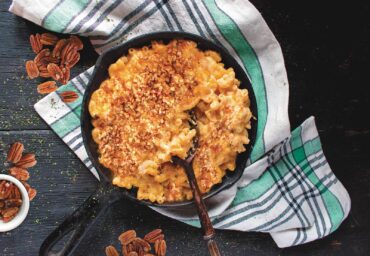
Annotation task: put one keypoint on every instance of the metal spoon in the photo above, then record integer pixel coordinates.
(187, 164)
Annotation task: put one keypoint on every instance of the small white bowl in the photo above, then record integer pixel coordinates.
(23, 211)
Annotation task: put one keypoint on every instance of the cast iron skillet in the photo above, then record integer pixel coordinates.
(106, 193)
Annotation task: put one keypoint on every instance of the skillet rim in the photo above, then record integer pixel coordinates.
(231, 177)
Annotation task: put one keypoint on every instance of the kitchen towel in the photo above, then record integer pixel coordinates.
(288, 190)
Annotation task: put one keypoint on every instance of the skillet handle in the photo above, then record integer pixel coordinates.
(79, 221)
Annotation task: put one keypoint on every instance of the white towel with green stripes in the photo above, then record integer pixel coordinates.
(288, 190)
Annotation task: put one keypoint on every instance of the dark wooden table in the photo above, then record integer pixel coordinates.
(326, 47)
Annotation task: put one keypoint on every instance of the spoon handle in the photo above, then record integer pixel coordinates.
(213, 248)
(205, 221)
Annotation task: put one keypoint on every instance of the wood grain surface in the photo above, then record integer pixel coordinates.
(327, 53)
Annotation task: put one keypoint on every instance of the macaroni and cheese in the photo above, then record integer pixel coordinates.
(141, 119)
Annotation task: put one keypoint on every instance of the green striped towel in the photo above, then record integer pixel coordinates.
(288, 190)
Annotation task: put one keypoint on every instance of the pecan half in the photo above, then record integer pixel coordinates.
(48, 39)
(54, 71)
(154, 235)
(42, 54)
(140, 243)
(127, 237)
(13, 202)
(59, 47)
(72, 58)
(32, 193)
(15, 152)
(26, 185)
(43, 62)
(160, 247)
(77, 42)
(27, 161)
(69, 96)
(111, 251)
(31, 69)
(19, 173)
(67, 49)
(132, 254)
(9, 212)
(15, 194)
(47, 87)
(45, 74)
(5, 189)
(66, 75)
(35, 42)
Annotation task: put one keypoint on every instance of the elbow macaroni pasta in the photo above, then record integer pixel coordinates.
(140, 118)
